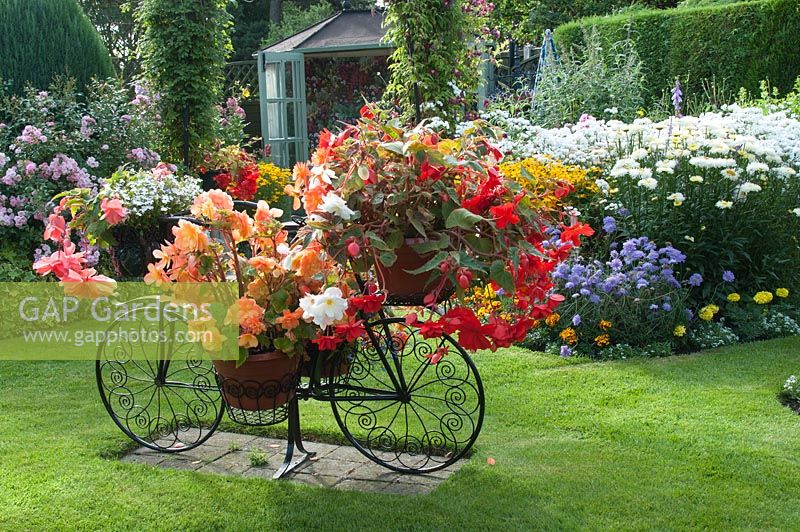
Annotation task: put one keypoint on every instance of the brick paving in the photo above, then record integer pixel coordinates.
(334, 466)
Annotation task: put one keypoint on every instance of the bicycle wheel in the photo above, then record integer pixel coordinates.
(170, 405)
(402, 408)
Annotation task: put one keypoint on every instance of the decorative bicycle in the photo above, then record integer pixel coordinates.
(393, 404)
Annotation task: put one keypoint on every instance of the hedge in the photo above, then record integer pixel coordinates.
(40, 39)
(736, 44)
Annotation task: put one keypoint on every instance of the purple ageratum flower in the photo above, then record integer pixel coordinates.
(695, 279)
(666, 307)
(576, 320)
(609, 224)
(728, 276)
(566, 351)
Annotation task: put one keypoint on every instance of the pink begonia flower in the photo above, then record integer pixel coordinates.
(113, 211)
(163, 170)
(86, 284)
(60, 263)
(56, 228)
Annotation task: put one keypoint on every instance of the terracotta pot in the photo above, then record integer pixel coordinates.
(404, 287)
(265, 381)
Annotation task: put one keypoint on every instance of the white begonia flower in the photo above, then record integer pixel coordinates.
(648, 183)
(333, 204)
(326, 175)
(723, 204)
(696, 179)
(677, 198)
(324, 309)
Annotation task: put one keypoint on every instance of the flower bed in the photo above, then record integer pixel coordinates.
(722, 190)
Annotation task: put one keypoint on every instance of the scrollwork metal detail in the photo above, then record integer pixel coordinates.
(432, 413)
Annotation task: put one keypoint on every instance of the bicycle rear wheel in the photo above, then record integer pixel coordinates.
(404, 409)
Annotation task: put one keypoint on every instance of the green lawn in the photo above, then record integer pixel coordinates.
(695, 441)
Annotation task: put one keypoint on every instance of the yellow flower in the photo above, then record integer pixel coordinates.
(272, 181)
(734, 297)
(569, 335)
(763, 297)
(246, 93)
(605, 325)
(707, 313)
(603, 340)
(552, 319)
(542, 178)
(782, 292)
(679, 330)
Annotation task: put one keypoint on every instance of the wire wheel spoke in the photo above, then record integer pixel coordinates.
(167, 405)
(433, 423)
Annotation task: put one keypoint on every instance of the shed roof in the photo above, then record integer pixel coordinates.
(343, 31)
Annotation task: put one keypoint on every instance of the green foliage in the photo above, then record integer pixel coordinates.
(526, 20)
(184, 45)
(114, 22)
(433, 61)
(769, 99)
(741, 43)
(591, 80)
(295, 18)
(41, 39)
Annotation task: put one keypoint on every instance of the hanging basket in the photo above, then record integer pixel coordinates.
(134, 248)
(405, 288)
(258, 391)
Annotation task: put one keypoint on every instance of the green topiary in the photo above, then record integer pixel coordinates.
(40, 39)
(737, 44)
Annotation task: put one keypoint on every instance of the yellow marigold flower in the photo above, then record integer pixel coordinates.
(274, 179)
(569, 335)
(552, 319)
(782, 292)
(542, 178)
(763, 297)
(605, 325)
(707, 313)
(603, 340)
(734, 297)
(679, 330)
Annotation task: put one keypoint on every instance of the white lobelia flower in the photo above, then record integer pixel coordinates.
(648, 183)
(324, 309)
(723, 204)
(333, 204)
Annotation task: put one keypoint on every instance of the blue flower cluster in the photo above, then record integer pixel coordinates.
(635, 269)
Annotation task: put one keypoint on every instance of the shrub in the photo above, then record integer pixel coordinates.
(590, 80)
(41, 39)
(740, 43)
(50, 141)
(183, 47)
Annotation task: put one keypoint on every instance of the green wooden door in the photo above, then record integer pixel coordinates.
(282, 91)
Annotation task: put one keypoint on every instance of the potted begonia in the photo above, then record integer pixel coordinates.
(291, 300)
(427, 216)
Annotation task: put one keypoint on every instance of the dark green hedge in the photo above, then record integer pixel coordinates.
(739, 44)
(43, 38)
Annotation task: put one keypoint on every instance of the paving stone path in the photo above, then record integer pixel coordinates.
(334, 466)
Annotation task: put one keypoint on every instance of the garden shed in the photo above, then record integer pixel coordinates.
(318, 75)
